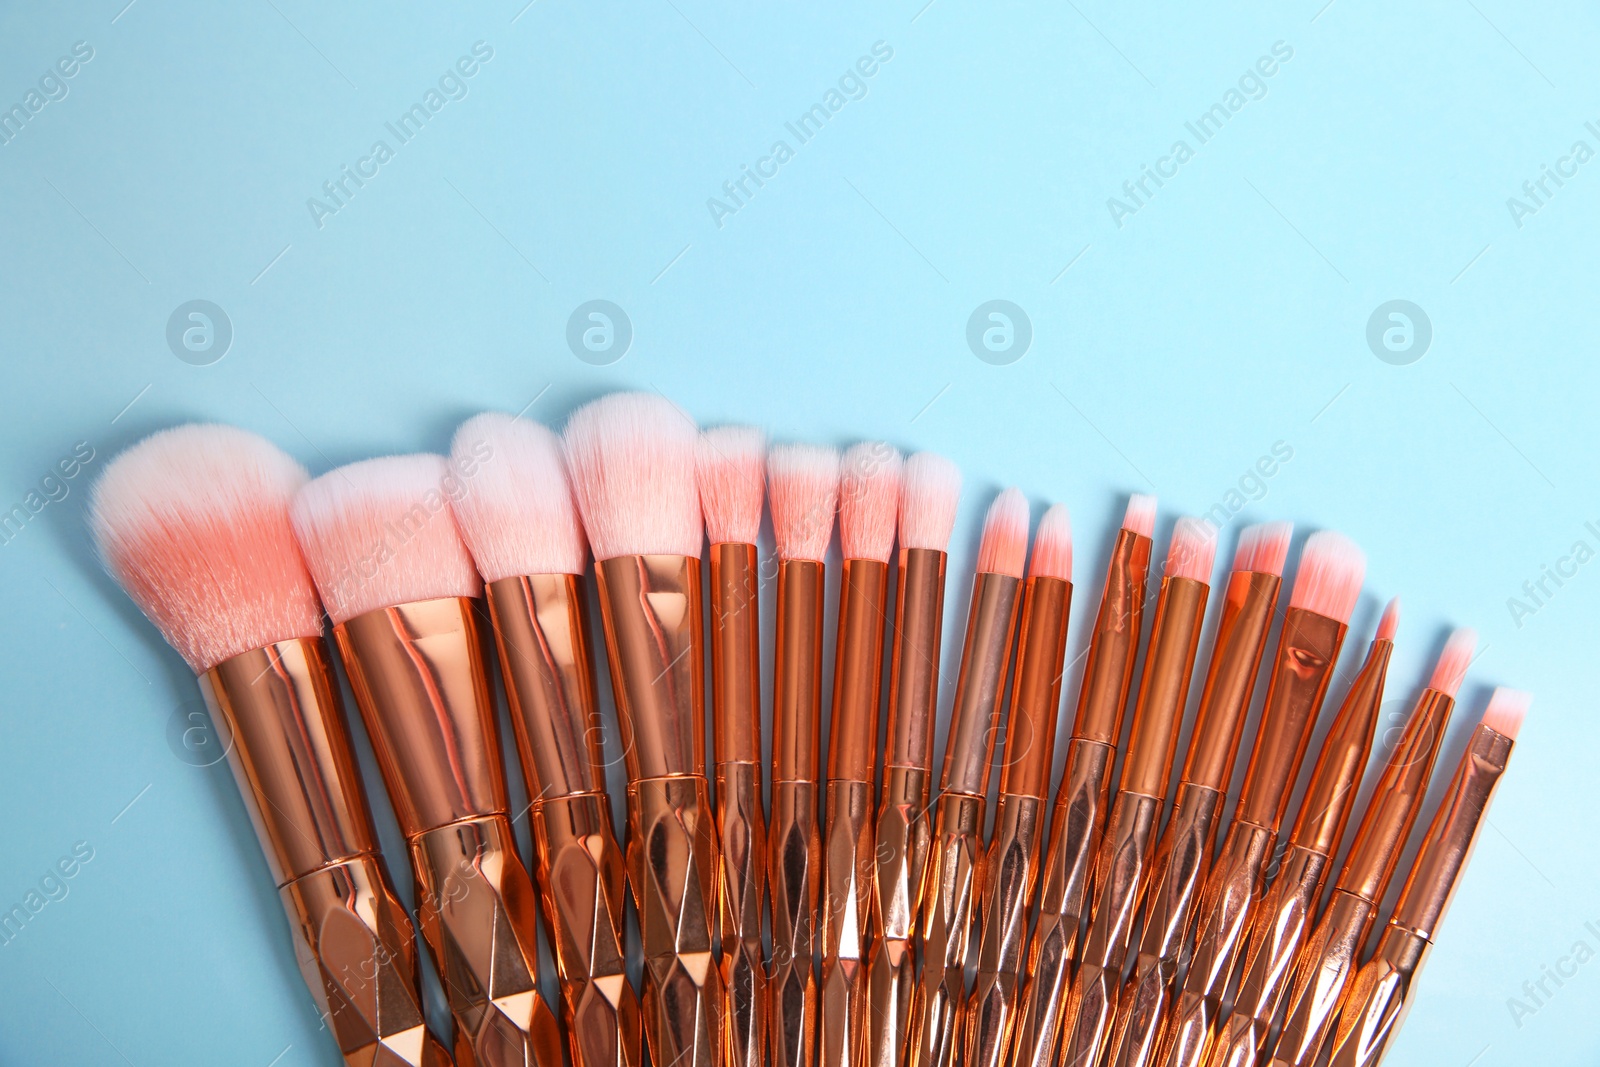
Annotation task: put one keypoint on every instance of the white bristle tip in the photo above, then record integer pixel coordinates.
(631, 457)
(1453, 662)
(1507, 708)
(730, 466)
(515, 508)
(803, 488)
(1263, 548)
(1004, 547)
(869, 500)
(1140, 518)
(930, 490)
(1052, 545)
(1389, 624)
(1332, 568)
(1193, 550)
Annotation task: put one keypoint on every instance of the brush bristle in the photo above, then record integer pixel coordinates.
(1004, 547)
(1052, 545)
(1507, 708)
(1453, 662)
(869, 500)
(515, 509)
(1140, 517)
(194, 523)
(380, 533)
(803, 484)
(1390, 622)
(930, 490)
(1193, 550)
(632, 461)
(1263, 548)
(730, 468)
(1332, 568)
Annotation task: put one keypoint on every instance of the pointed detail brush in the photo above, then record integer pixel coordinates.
(194, 524)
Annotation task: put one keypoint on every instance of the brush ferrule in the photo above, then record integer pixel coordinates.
(419, 678)
(797, 673)
(914, 669)
(1168, 668)
(1235, 661)
(650, 609)
(858, 671)
(1036, 687)
(1108, 672)
(735, 654)
(985, 657)
(1331, 795)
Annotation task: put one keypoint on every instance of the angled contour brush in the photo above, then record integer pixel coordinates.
(1011, 868)
(517, 518)
(401, 589)
(730, 466)
(1084, 796)
(631, 457)
(869, 503)
(194, 524)
(1325, 591)
(954, 874)
(930, 489)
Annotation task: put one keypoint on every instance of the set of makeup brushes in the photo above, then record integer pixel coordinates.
(832, 914)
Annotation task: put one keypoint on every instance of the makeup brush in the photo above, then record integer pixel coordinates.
(954, 875)
(1285, 917)
(1375, 1006)
(631, 457)
(516, 515)
(730, 467)
(387, 559)
(1123, 864)
(803, 482)
(1184, 853)
(1333, 952)
(194, 524)
(1324, 595)
(1084, 795)
(1011, 868)
(930, 488)
(869, 503)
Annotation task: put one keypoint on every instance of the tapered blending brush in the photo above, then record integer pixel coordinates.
(194, 523)
(1375, 1005)
(930, 488)
(1285, 917)
(1123, 863)
(1011, 868)
(954, 875)
(1084, 796)
(1332, 953)
(1325, 592)
(517, 518)
(730, 466)
(869, 504)
(631, 457)
(400, 587)
(1184, 853)
(803, 482)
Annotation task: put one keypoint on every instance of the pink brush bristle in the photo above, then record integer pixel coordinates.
(1193, 550)
(1052, 545)
(930, 489)
(869, 500)
(1507, 709)
(730, 468)
(1140, 518)
(803, 489)
(1453, 662)
(1390, 622)
(1004, 547)
(1328, 583)
(1263, 548)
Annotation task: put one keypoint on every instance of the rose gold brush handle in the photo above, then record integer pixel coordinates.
(542, 634)
(741, 821)
(418, 672)
(650, 607)
(292, 760)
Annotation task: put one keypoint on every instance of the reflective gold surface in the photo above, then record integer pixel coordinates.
(794, 861)
(953, 879)
(904, 835)
(1011, 872)
(847, 858)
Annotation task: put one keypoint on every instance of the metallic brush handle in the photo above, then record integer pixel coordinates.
(479, 917)
(1328, 962)
(950, 886)
(741, 829)
(794, 857)
(847, 906)
(1376, 1004)
(583, 879)
(903, 835)
(1011, 871)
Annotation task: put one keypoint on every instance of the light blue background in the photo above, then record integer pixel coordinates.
(1226, 315)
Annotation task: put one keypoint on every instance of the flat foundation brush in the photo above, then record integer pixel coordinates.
(517, 518)
(1285, 917)
(803, 483)
(1324, 594)
(954, 875)
(930, 489)
(730, 464)
(1011, 868)
(1333, 951)
(1184, 854)
(1123, 864)
(194, 523)
(869, 503)
(1084, 796)
(400, 588)
(1375, 1006)
(631, 457)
